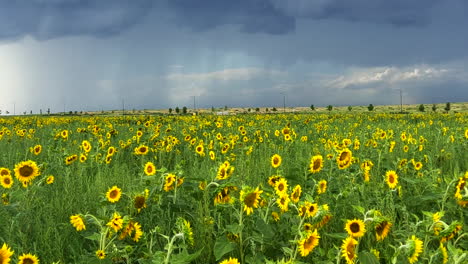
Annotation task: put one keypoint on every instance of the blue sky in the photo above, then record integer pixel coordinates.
(90, 55)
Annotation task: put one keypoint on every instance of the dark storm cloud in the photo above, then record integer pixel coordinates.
(253, 16)
(46, 19)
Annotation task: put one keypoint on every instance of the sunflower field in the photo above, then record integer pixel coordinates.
(253, 188)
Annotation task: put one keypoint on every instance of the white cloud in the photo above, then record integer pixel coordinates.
(365, 77)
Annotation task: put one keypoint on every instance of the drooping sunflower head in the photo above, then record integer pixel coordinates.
(296, 194)
(348, 249)
(26, 171)
(113, 194)
(275, 161)
(28, 259)
(316, 164)
(382, 229)
(355, 227)
(116, 223)
(283, 202)
(415, 248)
(322, 186)
(391, 179)
(169, 182)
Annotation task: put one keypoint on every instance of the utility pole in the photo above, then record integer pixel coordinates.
(123, 107)
(284, 102)
(194, 106)
(401, 101)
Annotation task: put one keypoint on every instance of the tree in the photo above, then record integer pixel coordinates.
(312, 107)
(40, 111)
(212, 109)
(370, 107)
(266, 110)
(434, 107)
(184, 110)
(257, 109)
(421, 108)
(329, 107)
(447, 107)
(274, 109)
(177, 110)
(48, 111)
(350, 108)
(225, 108)
(170, 110)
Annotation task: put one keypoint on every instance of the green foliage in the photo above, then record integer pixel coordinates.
(329, 107)
(421, 108)
(370, 107)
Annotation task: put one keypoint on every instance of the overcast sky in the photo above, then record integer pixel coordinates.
(93, 54)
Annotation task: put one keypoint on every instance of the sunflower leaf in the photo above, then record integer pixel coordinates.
(366, 257)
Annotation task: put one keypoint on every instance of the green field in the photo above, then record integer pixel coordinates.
(318, 187)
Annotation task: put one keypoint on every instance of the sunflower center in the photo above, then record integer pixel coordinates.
(149, 169)
(344, 156)
(354, 227)
(350, 251)
(380, 227)
(3, 172)
(317, 164)
(250, 199)
(391, 179)
(311, 209)
(275, 160)
(281, 187)
(113, 194)
(26, 171)
(28, 261)
(309, 243)
(6, 181)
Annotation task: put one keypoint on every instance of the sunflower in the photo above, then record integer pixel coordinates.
(275, 161)
(4, 172)
(225, 148)
(70, 159)
(273, 179)
(355, 227)
(322, 186)
(26, 171)
(36, 150)
(50, 179)
(64, 134)
(281, 186)
(283, 202)
(466, 133)
(444, 253)
(138, 233)
(86, 146)
(344, 159)
(100, 254)
(382, 229)
(405, 148)
(225, 171)
(309, 209)
(150, 169)
(224, 196)
(169, 182)
(417, 165)
(296, 194)
(6, 181)
(391, 179)
(139, 202)
(250, 199)
(116, 222)
(416, 247)
(316, 164)
(212, 155)
(111, 151)
(308, 244)
(83, 158)
(402, 163)
(200, 150)
(185, 227)
(77, 222)
(141, 150)
(230, 261)
(113, 194)
(28, 259)
(5, 254)
(348, 249)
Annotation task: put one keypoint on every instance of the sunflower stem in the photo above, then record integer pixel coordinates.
(241, 242)
(171, 244)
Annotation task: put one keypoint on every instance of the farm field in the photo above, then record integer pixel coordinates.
(280, 188)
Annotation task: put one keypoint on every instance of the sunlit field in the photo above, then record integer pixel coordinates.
(253, 188)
